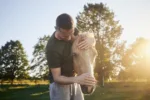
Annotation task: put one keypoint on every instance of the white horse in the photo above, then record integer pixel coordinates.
(84, 60)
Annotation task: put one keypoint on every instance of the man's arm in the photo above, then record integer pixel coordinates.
(84, 79)
(56, 72)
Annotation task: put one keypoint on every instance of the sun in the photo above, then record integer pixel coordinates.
(143, 48)
(147, 51)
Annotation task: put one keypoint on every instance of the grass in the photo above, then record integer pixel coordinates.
(24, 92)
(111, 91)
(122, 91)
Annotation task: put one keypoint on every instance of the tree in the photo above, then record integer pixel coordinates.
(1, 67)
(39, 62)
(99, 20)
(13, 61)
(136, 59)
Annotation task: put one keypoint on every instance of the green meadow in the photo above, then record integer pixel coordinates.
(111, 91)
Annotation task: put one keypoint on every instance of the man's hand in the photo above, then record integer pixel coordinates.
(86, 42)
(85, 79)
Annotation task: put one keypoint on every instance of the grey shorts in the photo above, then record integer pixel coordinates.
(65, 92)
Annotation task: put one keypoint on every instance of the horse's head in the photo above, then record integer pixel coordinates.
(84, 61)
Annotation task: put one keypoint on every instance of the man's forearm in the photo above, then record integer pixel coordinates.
(65, 80)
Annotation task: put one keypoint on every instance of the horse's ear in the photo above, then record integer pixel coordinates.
(90, 34)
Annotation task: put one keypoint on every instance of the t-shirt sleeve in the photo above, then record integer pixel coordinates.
(53, 59)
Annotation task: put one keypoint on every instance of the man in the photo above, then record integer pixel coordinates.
(64, 84)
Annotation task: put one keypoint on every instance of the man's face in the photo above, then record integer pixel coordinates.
(65, 34)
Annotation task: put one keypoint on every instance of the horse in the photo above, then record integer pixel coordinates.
(84, 60)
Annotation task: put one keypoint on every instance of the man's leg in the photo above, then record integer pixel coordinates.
(59, 92)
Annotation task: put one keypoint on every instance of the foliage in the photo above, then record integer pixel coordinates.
(100, 20)
(13, 61)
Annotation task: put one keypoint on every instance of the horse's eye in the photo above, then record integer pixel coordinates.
(74, 54)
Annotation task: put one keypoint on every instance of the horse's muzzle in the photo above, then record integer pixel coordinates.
(87, 89)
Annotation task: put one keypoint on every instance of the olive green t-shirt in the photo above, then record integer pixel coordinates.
(58, 54)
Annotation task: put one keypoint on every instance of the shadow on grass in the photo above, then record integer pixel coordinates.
(24, 92)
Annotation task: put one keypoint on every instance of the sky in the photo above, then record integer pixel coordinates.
(28, 20)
